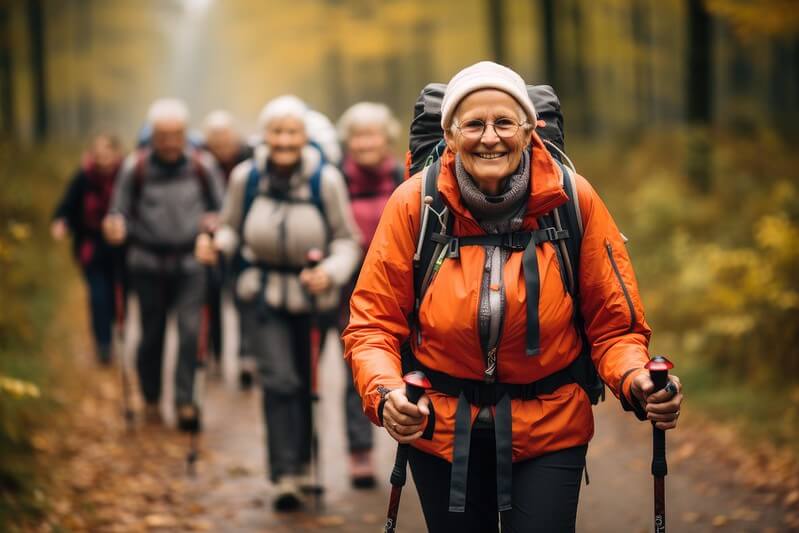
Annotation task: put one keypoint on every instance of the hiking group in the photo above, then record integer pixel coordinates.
(485, 262)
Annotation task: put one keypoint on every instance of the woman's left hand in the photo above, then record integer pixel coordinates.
(315, 279)
(662, 407)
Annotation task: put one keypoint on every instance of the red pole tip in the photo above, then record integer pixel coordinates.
(314, 255)
(417, 379)
(659, 364)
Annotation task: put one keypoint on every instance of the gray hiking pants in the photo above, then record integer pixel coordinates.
(282, 347)
(158, 295)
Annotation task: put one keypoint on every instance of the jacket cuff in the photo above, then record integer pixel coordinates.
(628, 401)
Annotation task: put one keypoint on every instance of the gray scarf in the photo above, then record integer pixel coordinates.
(501, 213)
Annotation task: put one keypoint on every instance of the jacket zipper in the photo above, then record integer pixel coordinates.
(609, 249)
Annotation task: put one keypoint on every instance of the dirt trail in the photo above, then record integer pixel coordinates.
(116, 481)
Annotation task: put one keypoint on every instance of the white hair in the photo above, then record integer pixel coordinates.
(368, 114)
(168, 109)
(218, 120)
(283, 107)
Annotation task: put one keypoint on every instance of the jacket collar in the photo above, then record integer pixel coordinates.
(546, 190)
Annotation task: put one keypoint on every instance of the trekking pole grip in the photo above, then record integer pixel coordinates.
(416, 383)
(659, 368)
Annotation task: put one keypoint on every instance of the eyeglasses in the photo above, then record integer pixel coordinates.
(503, 127)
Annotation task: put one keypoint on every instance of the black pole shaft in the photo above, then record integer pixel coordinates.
(659, 467)
(399, 472)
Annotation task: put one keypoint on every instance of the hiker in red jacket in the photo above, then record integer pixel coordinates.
(80, 213)
(367, 130)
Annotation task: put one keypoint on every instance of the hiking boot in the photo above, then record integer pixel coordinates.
(189, 418)
(245, 380)
(247, 367)
(288, 496)
(362, 473)
(152, 415)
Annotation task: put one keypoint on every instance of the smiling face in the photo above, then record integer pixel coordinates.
(285, 138)
(368, 144)
(106, 152)
(169, 139)
(489, 159)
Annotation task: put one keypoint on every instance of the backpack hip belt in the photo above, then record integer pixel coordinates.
(481, 394)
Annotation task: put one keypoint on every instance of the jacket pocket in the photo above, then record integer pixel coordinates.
(625, 290)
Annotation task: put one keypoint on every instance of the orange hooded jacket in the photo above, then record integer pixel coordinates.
(610, 306)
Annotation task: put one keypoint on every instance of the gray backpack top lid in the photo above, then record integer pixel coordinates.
(426, 131)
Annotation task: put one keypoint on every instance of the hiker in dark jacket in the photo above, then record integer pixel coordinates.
(367, 130)
(80, 213)
(166, 194)
(223, 142)
(298, 203)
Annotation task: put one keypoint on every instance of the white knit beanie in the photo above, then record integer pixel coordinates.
(485, 75)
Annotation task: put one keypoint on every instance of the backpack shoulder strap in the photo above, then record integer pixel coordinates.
(569, 217)
(250, 191)
(316, 187)
(432, 213)
(142, 155)
(202, 177)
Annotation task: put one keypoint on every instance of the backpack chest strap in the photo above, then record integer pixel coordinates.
(515, 241)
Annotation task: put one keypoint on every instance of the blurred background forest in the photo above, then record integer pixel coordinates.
(683, 113)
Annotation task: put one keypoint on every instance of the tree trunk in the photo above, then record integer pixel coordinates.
(549, 33)
(496, 30)
(699, 94)
(6, 76)
(699, 89)
(36, 32)
(585, 121)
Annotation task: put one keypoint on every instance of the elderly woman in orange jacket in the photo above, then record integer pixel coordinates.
(515, 458)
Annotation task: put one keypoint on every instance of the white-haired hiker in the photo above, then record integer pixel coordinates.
(281, 204)
(166, 194)
(223, 141)
(367, 132)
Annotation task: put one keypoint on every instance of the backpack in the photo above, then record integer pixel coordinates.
(252, 189)
(562, 227)
(200, 173)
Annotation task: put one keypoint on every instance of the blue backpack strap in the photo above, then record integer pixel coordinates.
(316, 188)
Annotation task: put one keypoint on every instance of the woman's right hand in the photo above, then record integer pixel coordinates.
(58, 229)
(114, 229)
(404, 421)
(204, 249)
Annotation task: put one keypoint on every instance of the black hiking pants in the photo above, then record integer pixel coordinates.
(158, 295)
(545, 490)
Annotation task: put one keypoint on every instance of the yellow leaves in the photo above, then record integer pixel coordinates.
(19, 231)
(777, 233)
(18, 388)
(769, 17)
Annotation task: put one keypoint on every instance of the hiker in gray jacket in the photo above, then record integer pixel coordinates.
(290, 202)
(166, 194)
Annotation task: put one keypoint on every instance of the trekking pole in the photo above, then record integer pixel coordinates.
(314, 257)
(416, 383)
(199, 377)
(659, 368)
(119, 336)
